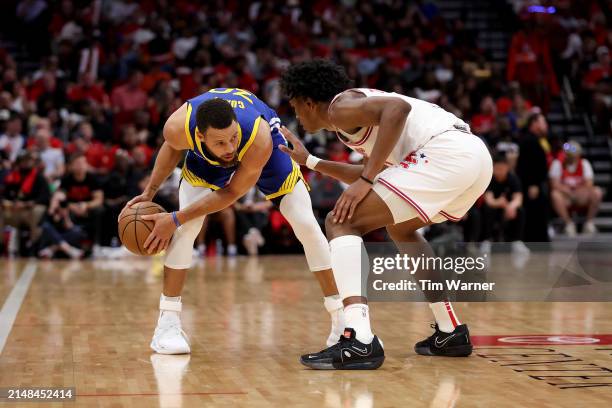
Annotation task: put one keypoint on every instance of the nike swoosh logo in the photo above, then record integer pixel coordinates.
(442, 343)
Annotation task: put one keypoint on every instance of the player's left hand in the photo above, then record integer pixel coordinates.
(348, 201)
(160, 237)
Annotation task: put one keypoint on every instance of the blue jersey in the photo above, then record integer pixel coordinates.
(279, 175)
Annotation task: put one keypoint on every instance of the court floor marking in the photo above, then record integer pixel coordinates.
(13, 302)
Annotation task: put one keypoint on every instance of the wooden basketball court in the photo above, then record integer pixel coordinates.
(88, 325)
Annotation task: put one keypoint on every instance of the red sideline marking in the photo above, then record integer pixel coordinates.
(155, 394)
(543, 339)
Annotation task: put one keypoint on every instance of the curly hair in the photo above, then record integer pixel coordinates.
(318, 79)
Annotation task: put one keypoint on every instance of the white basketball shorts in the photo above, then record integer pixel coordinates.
(438, 182)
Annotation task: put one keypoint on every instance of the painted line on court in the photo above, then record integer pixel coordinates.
(13, 302)
(156, 394)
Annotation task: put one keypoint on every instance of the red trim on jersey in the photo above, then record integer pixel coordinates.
(449, 217)
(423, 214)
(451, 313)
(364, 138)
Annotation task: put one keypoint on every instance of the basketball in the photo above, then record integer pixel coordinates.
(133, 230)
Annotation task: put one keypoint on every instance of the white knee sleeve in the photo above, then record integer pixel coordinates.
(180, 251)
(296, 207)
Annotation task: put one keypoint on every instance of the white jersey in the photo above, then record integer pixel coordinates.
(425, 121)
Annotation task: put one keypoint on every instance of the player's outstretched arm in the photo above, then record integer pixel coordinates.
(345, 172)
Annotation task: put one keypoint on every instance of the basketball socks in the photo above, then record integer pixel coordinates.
(335, 308)
(358, 318)
(169, 308)
(445, 316)
(346, 264)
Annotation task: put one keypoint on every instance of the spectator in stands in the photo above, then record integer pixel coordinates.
(129, 97)
(59, 233)
(52, 158)
(25, 197)
(529, 63)
(84, 195)
(598, 82)
(532, 170)
(12, 141)
(121, 184)
(88, 90)
(503, 207)
(484, 123)
(573, 189)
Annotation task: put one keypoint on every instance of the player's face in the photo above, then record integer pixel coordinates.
(306, 114)
(500, 171)
(222, 144)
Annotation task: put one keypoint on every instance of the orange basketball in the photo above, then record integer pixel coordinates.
(133, 230)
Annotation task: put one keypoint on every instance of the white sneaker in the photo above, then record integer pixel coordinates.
(169, 337)
(47, 253)
(232, 250)
(570, 229)
(589, 228)
(75, 253)
(250, 243)
(519, 247)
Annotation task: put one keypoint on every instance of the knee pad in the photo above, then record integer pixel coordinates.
(180, 251)
(296, 207)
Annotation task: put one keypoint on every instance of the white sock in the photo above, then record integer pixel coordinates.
(333, 304)
(357, 318)
(445, 316)
(346, 264)
(168, 315)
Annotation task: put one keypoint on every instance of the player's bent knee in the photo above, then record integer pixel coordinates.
(348, 227)
(180, 251)
(297, 209)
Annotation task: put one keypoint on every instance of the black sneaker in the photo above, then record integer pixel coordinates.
(348, 354)
(455, 344)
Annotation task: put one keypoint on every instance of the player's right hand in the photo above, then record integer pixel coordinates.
(138, 199)
(299, 153)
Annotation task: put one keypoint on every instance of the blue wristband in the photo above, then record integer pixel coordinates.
(175, 218)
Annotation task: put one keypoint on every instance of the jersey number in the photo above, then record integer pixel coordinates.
(234, 91)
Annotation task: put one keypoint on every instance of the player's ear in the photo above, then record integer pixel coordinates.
(310, 103)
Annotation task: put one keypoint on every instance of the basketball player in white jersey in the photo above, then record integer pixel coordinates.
(422, 166)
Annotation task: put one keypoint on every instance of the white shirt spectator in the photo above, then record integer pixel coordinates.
(53, 160)
(573, 176)
(12, 144)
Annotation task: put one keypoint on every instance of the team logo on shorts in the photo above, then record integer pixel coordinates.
(413, 159)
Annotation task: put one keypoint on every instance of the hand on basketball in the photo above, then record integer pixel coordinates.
(145, 196)
(348, 201)
(299, 153)
(160, 237)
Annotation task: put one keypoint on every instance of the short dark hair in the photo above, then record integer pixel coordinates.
(500, 157)
(215, 113)
(532, 118)
(318, 79)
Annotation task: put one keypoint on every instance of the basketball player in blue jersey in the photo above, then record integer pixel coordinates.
(232, 141)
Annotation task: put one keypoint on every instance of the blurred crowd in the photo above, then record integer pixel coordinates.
(86, 87)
